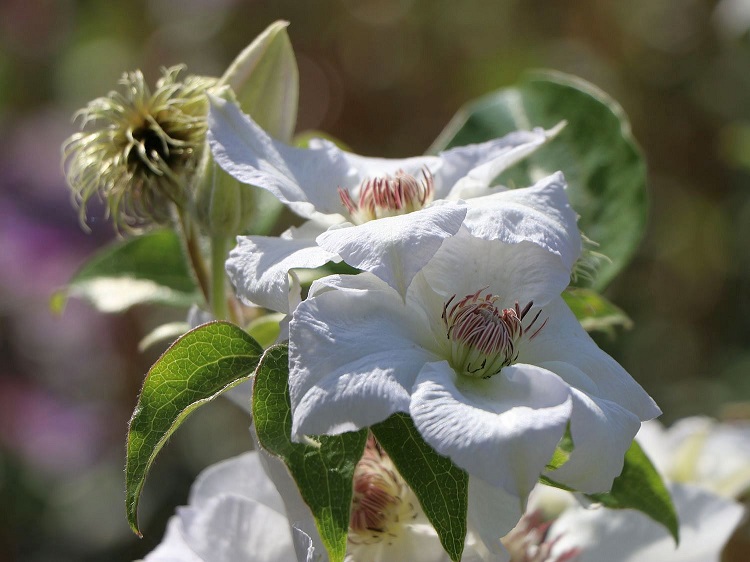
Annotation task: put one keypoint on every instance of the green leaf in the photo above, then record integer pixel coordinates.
(441, 487)
(640, 487)
(594, 312)
(197, 368)
(147, 269)
(323, 468)
(603, 165)
(563, 450)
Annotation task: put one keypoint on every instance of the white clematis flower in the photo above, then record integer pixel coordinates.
(356, 206)
(235, 514)
(705, 464)
(701, 451)
(707, 521)
(482, 352)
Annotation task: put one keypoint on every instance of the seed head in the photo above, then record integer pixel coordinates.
(139, 150)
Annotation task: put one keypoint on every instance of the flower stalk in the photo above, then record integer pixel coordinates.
(218, 300)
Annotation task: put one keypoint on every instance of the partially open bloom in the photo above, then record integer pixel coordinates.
(482, 352)
(137, 148)
(380, 215)
(387, 523)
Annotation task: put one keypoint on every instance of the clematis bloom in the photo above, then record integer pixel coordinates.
(702, 451)
(234, 514)
(705, 464)
(481, 352)
(247, 509)
(385, 216)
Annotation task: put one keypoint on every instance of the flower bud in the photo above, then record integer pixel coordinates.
(263, 80)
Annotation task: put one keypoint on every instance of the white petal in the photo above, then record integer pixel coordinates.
(301, 521)
(602, 432)
(468, 170)
(492, 514)
(701, 450)
(312, 228)
(563, 339)
(515, 272)
(353, 355)
(259, 268)
(303, 545)
(234, 529)
(540, 214)
(724, 463)
(395, 248)
(503, 429)
(652, 437)
(369, 167)
(706, 523)
(173, 547)
(241, 476)
(305, 179)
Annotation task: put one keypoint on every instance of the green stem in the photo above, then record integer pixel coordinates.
(219, 249)
(194, 254)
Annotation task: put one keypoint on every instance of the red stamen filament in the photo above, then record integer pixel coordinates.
(389, 196)
(483, 338)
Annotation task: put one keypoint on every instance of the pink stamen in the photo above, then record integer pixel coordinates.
(484, 338)
(388, 196)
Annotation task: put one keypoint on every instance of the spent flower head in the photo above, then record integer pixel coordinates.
(138, 149)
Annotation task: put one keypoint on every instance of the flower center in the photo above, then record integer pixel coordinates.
(381, 501)
(483, 339)
(148, 148)
(389, 196)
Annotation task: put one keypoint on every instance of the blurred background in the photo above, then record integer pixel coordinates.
(385, 76)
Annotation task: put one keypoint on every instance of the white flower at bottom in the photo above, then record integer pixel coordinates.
(707, 521)
(236, 513)
(701, 451)
(704, 454)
